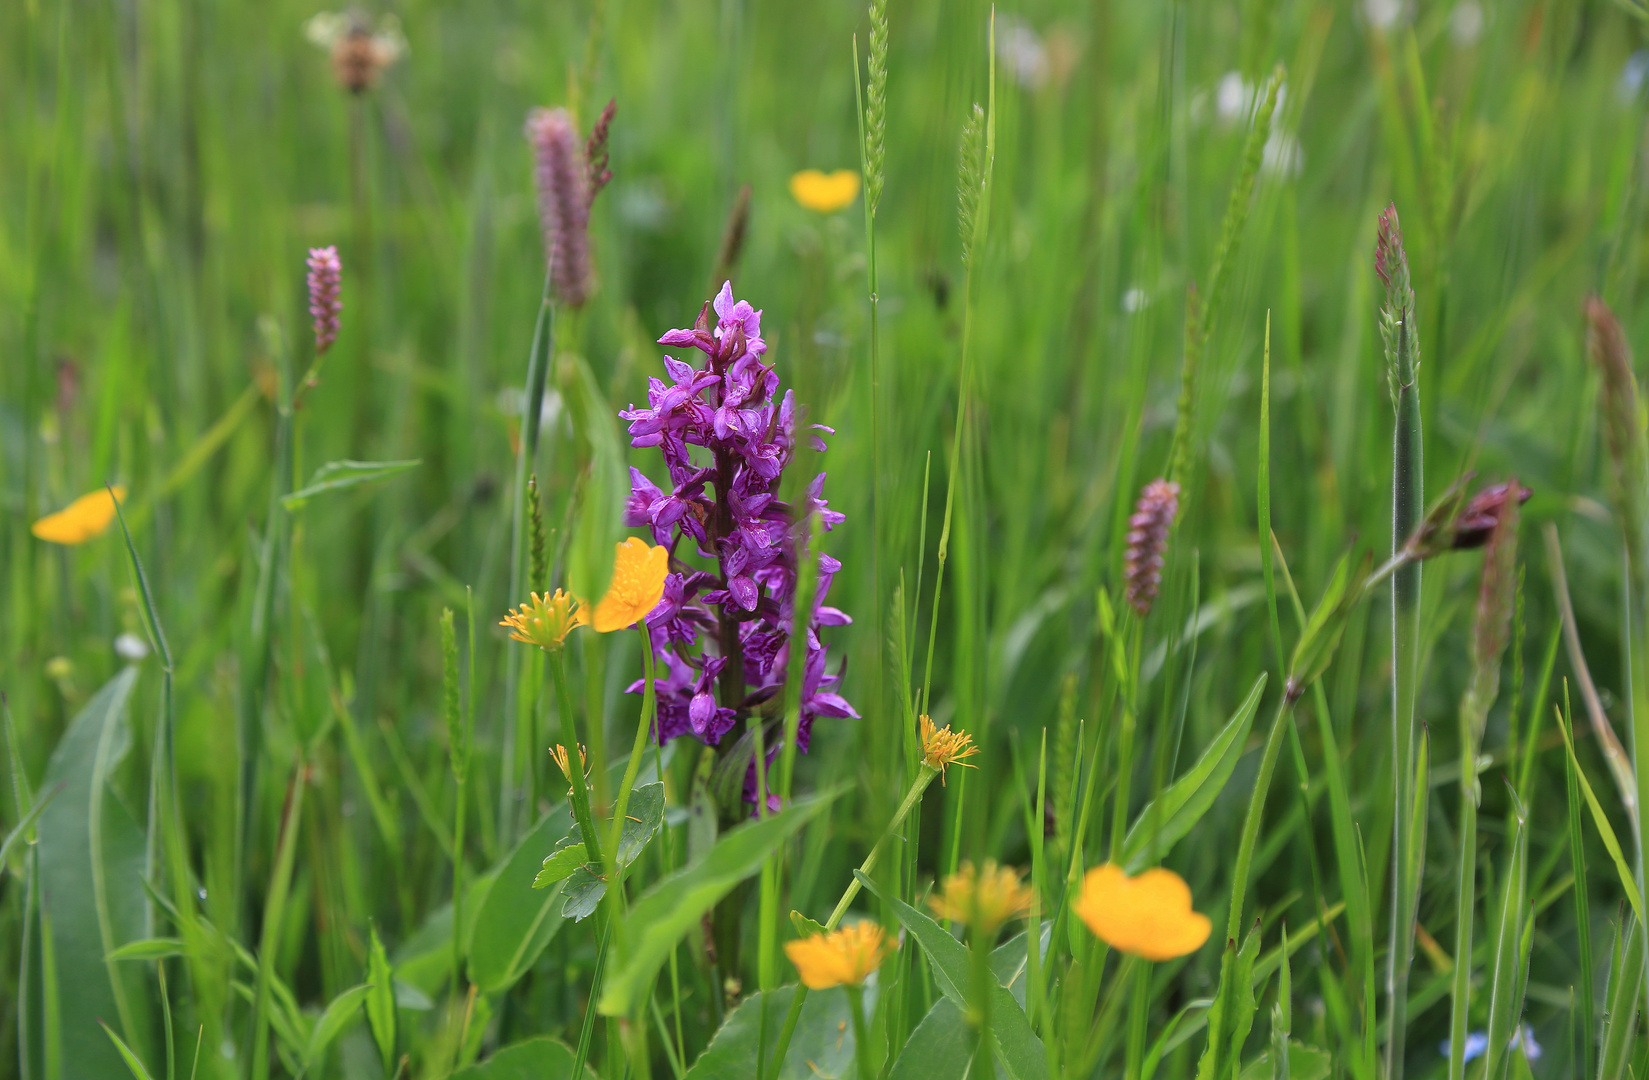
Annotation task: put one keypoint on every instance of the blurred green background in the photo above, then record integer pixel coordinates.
(164, 164)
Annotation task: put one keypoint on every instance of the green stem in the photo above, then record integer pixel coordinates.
(912, 796)
(984, 1061)
(274, 915)
(861, 1035)
(1256, 811)
(644, 728)
(1406, 503)
(569, 737)
(543, 337)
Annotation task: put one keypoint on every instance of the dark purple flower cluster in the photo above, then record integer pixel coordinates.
(723, 497)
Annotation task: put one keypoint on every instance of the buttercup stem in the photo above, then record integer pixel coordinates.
(913, 795)
(861, 1035)
(576, 781)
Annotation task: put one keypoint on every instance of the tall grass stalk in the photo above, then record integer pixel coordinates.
(543, 338)
(1402, 346)
(872, 121)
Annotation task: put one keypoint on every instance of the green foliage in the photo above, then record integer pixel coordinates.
(532, 1059)
(1157, 238)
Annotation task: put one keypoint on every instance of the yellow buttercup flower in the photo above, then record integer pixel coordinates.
(825, 192)
(546, 620)
(844, 957)
(638, 585)
(942, 747)
(984, 898)
(1149, 915)
(82, 519)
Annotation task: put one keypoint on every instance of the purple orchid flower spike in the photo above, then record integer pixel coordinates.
(723, 633)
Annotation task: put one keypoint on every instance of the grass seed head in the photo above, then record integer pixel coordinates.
(561, 173)
(1148, 530)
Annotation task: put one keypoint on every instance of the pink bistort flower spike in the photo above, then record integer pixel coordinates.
(325, 273)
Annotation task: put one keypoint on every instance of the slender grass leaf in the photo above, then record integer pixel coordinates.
(1506, 996)
(126, 1054)
(380, 1002)
(149, 949)
(25, 828)
(1158, 828)
(1625, 990)
(1302, 1063)
(1605, 830)
(339, 475)
(339, 1012)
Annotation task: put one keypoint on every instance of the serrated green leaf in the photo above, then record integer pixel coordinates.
(338, 475)
(568, 856)
(806, 927)
(642, 818)
(582, 891)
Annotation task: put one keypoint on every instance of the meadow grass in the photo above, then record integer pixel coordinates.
(280, 785)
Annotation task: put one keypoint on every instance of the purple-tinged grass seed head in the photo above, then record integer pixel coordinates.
(1485, 511)
(560, 172)
(325, 279)
(1147, 541)
(595, 151)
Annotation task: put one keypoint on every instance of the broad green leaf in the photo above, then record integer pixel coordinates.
(1163, 822)
(342, 1009)
(1017, 1046)
(568, 856)
(424, 960)
(677, 902)
(1304, 1063)
(380, 1001)
(160, 948)
(76, 865)
(516, 921)
(821, 1046)
(939, 1048)
(338, 475)
(542, 1058)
